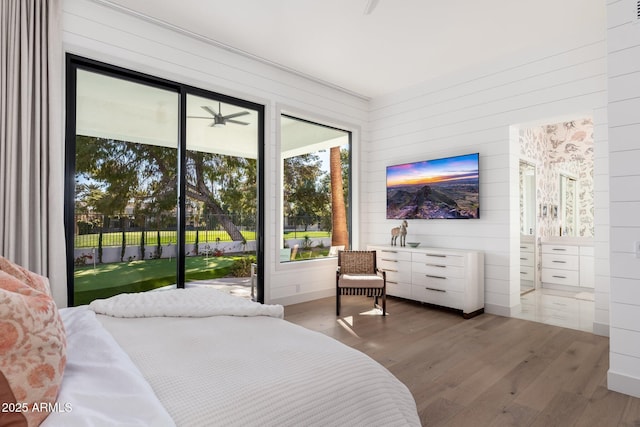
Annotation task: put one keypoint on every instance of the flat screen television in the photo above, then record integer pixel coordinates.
(439, 188)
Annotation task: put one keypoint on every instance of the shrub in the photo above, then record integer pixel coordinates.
(82, 260)
(123, 249)
(85, 227)
(100, 247)
(307, 242)
(241, 267)
(142, 249)
(159, 248)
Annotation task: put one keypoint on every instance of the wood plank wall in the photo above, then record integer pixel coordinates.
(623, 44)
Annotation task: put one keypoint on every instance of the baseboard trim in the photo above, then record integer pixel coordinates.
(309, 296)
(601, 329)
(623, 384)
(502, 310)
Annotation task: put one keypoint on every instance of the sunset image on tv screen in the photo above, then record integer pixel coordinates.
(439, 188)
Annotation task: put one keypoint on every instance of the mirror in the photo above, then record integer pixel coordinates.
(568, 203)
(527, 226)
(527, 198)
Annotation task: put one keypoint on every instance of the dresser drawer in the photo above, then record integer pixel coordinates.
(560, 277)
(527, 247)
(392, 264)
(560, 249)
(526, 259)
(392, 255)
(562, 262)
(438, 258)
(437, 296)
(432, 268)
(399, 272)
(399, 289)
(526, 273)
(438, 281)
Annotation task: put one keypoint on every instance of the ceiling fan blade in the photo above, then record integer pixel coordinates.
(209, 110)
(238, 122)
(231, 116)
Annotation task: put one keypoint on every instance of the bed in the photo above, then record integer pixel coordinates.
(200, 357)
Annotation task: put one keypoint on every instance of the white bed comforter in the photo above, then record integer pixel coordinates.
(248, 370)
(192, 302)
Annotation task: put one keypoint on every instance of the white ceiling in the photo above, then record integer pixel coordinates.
(399, 44)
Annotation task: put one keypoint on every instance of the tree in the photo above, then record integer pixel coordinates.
(218, 180)
(145, 176)
(303, 194)
(340, 234)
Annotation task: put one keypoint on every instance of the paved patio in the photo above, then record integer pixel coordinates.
(238, 286)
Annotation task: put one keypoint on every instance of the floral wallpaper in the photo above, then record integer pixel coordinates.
(562, 148)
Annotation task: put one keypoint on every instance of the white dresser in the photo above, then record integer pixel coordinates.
(444, 277)
(566, 265)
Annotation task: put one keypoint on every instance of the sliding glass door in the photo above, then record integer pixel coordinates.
(161, 184)
(221, 192)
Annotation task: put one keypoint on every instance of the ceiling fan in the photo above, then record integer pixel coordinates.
(220, 120)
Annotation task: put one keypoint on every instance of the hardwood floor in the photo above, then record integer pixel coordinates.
(485, 371)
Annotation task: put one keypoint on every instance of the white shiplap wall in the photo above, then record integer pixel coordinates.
(471, 112)
(94, 30)
(623, 43)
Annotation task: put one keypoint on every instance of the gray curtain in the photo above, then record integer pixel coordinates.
(31, 140)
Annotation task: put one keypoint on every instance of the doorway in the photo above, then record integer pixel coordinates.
(557, 156)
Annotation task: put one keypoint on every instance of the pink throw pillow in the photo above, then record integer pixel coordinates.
(32, 343)
(32, 279)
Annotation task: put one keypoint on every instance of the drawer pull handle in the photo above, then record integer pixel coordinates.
(523, 247)
(560, 277)
(437, 255)
(390, 282)
(436, 265)
(523, 259)
(389, 269)
(435, 277)
(390, 260)
(523, 272)
(559, 262)
(434, 289)
(559, 249)
(391, 252)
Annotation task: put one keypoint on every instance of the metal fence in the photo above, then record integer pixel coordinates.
(97, 230)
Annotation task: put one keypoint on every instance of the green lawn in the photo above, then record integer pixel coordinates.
(111, 279)
(300, 234)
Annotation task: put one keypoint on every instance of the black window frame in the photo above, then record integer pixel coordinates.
(72, 64)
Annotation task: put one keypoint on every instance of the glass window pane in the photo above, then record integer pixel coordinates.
(125, 187)
(315, 190)
(221, 187)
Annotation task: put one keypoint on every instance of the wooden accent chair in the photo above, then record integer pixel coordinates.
(357, 275)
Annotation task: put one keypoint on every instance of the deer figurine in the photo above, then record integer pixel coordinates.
(401, 231)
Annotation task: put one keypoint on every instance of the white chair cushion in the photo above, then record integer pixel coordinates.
(360, 281)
